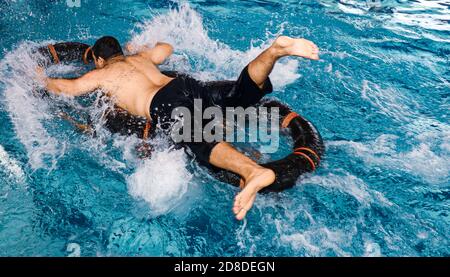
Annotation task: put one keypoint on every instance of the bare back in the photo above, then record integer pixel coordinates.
(132, 82)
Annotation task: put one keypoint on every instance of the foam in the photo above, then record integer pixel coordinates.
(19, 77)
(389, 101)
(301, 241)
(425, 132)
(400, 17)
(315, 240)
(11, 166)
(298, 229)
(351, 185)
(245, 241)
(416, 15)
(161, 181)
(420, 161)
(30, 114)
(313, 237)
(372, 249)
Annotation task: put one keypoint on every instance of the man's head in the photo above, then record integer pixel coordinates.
(104, 49)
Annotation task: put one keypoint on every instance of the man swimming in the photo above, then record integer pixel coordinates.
(136, 85)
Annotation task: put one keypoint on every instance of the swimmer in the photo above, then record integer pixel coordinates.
(136, 85)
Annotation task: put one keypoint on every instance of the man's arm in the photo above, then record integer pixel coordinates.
(74, 87)
(156, 55)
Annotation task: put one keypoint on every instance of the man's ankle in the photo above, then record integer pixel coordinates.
(277, 51)
(247, 171)
(254, 171)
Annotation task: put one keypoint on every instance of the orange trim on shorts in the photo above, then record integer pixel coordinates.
(85, 55)
(308, 150)
(288, 118)
(53, 52)
(311, 162)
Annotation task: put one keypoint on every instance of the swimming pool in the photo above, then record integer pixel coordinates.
(379, 96)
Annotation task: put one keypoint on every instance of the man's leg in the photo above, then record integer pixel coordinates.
(255, 177)
(259, 70)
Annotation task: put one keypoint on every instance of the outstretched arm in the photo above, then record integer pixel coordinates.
(156, 55)
(74, 87)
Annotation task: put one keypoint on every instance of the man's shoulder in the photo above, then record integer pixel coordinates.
(115, 68)
(135, 58)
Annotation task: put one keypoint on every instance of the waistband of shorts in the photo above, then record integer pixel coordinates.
(158, 95)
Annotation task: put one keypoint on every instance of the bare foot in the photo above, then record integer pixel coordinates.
(259, 179)
(297, 47)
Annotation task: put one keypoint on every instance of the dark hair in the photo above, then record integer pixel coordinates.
(107, 47)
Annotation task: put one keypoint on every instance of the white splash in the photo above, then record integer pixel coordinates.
(389, 101)
(428, 14)
(11, 165)
(32, 115)
(400, 16)
(301, 241)
(315, 240)
(161, 181)
(183, 28)
(18, 73)
(421, 161)
(351, 185)
(372, 249)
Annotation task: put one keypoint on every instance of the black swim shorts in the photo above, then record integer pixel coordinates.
(183, 90)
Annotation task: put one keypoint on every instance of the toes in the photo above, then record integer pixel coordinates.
(313, 44)
(244, 210)
(237, 206)
(236, 209)
(314, 47)
(311, 50)
(241, 214)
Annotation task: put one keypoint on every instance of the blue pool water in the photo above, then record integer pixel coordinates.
(379, 95)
